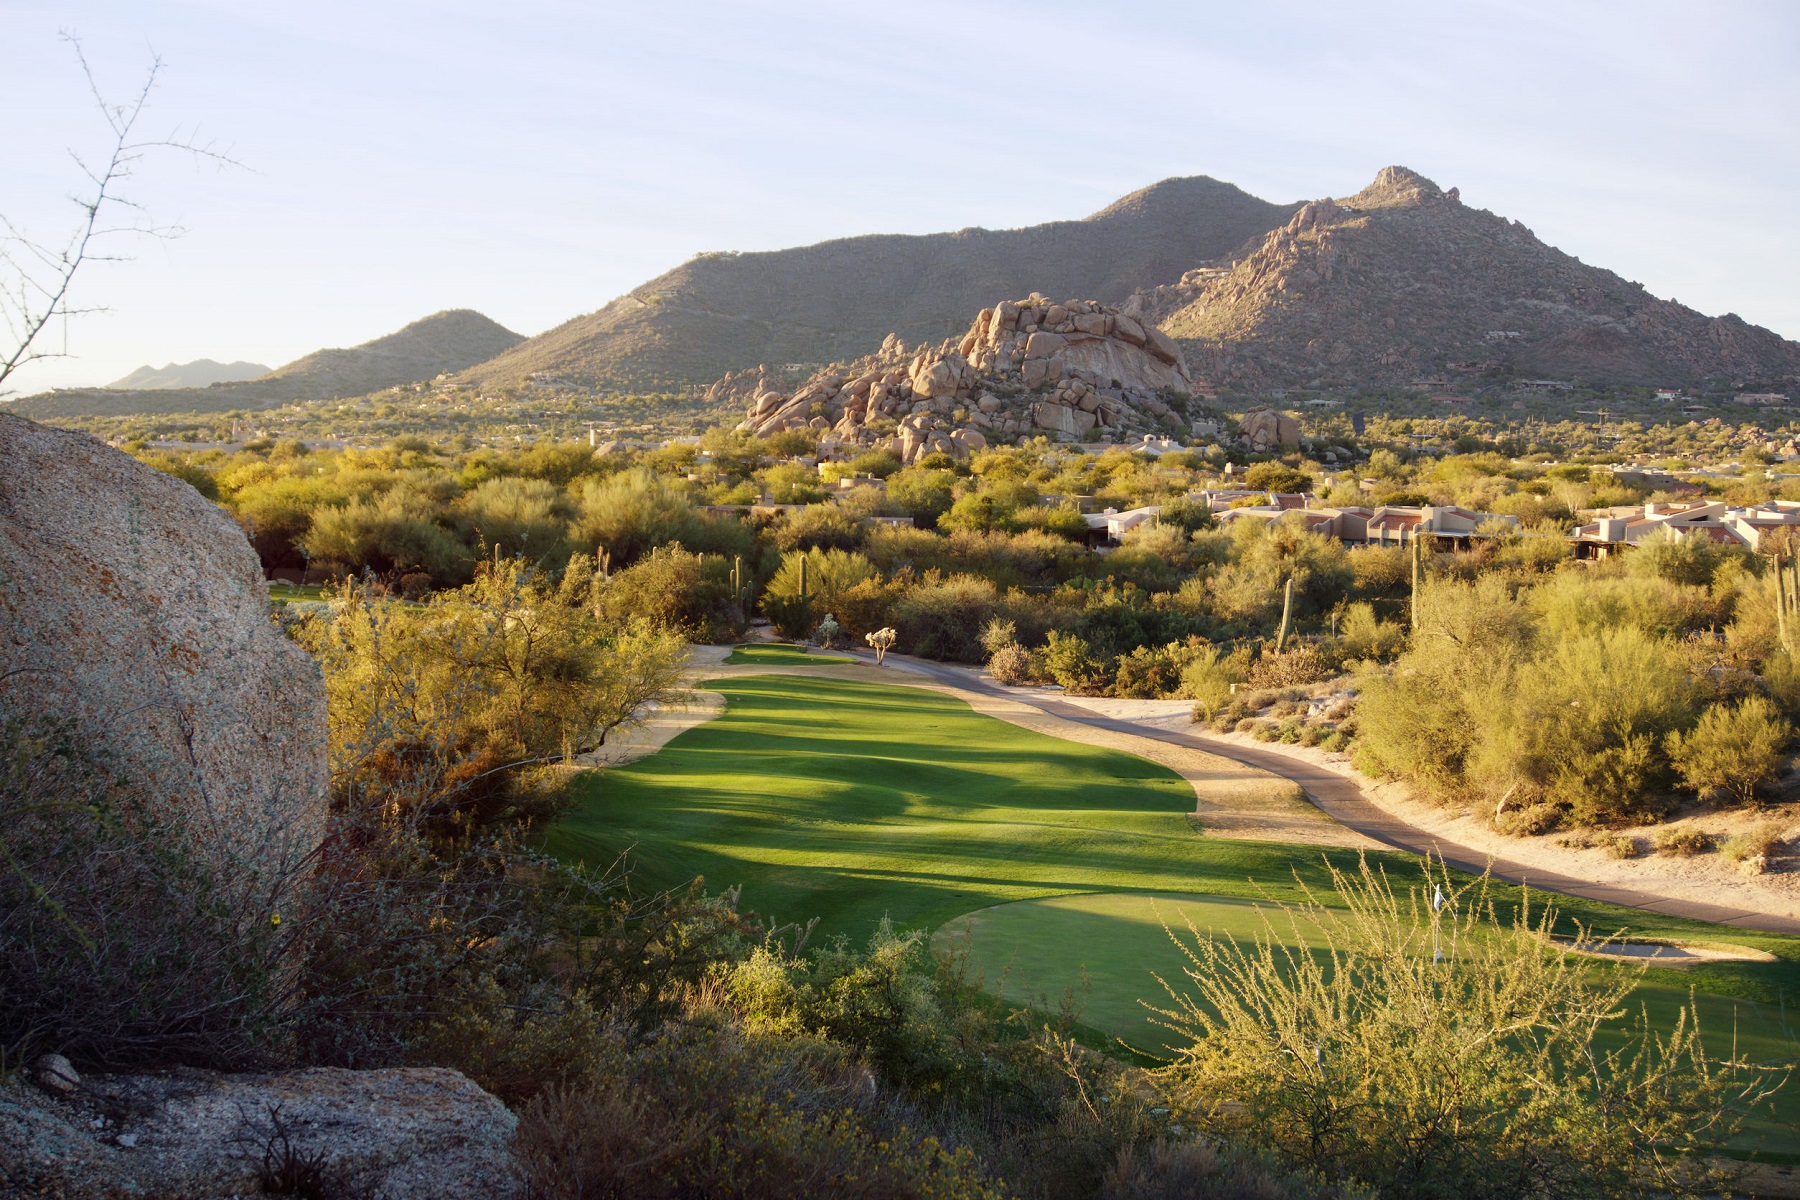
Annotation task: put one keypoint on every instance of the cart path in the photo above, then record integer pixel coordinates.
(1342, 799)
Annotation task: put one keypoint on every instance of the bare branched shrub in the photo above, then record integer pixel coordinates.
(120, 941)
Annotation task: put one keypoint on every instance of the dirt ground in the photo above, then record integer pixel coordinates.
(1708, 878)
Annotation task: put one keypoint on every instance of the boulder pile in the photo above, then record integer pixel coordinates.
(1075, 370)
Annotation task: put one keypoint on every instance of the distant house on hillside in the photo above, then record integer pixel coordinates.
(1387, 525)
(1619, 528)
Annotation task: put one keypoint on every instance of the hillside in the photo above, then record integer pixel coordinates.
(202, 372)
(443, 342)
(839, 299)
(1402, 281)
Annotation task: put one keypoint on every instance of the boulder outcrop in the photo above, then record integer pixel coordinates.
(1265, 429)
(134, 613)
(403, 1134)
(1071, 369)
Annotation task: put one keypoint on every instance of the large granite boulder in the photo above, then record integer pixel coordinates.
(403, 1134)
(1266, 429)
(134, 611)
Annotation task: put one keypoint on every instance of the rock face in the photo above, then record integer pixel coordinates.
(1403, 280)
(1073, 369)
(135, 611)
(1266, 429)
(404, 1134)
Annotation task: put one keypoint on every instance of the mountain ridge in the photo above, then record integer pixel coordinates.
(443, 342)
(1402, 281)
(202, 372)
(840, 298)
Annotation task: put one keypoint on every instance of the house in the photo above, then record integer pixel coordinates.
(1106, 528)
(1617, 528)
(1388, 525)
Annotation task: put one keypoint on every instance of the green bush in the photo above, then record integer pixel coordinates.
(1732, 749)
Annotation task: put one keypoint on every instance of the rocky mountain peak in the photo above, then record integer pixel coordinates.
(1398, 187)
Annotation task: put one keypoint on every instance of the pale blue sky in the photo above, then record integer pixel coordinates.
(533, 159)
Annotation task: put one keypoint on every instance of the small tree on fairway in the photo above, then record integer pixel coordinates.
(1423, 1047)
(828, 632)
(882, 640)
(1731, 749)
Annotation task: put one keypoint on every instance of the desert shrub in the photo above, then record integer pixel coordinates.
(1267, 731)
(1311, 735)
(922, 493)
(1528, 821)
(391, 534)
(1192, 1170)
(1336, 742)
(124, 940)
(1682, 843)
(1375, 1065)
(1071, 662)
(1668, 555)
(1277, 477)
(791, 616)
(818, 527)
(1731, 749)
(1208, 678)
(1301, 665)
(629, 514)
(997, 634)
(517, 518)
(482, 681)
(943, 618)
(1250, 725)
(1619, 845)
(1362, 636)
(1754, 847)
(1011, 665)
(1149, 672)
(670, 588)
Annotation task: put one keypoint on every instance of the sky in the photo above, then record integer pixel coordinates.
(534, 159)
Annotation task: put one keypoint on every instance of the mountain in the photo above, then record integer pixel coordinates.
(202, 372)
(839, 299)
(1402, 280)
(429, 347)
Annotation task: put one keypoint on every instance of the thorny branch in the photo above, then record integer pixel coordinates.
(36, 276)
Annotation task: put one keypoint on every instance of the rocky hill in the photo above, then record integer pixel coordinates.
(816, 304)
(1402, 280)
(202, 372)
(1073, 370)
(443, 342)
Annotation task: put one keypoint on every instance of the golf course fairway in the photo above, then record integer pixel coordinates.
(846, 801)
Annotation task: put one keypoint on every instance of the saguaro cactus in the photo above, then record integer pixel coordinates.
(1287, 612)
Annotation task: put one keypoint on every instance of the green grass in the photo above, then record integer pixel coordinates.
(780, 654)
(853, 801)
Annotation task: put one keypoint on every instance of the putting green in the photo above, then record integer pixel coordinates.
(1110, 947)
(781, 654)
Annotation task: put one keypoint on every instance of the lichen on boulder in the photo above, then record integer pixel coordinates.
(136, 618)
